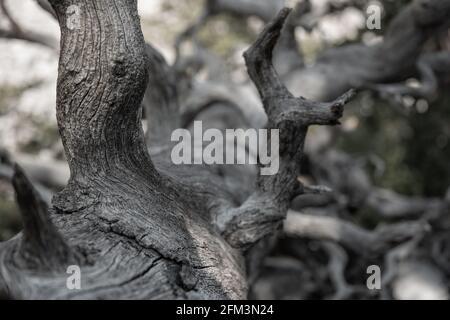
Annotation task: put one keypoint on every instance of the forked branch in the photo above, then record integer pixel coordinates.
(261, 214)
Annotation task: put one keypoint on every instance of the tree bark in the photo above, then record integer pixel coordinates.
(138, 236)
(139, 227)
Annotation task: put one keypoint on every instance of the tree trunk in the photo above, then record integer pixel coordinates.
(137, 235)
(139, 227)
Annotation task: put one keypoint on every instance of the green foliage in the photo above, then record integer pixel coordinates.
(45, 135)
(428, 149)
(414, 147)
(223, 33)
(11, 92)
(175, 16)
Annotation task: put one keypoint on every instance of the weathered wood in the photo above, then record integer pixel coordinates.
(145, 229)
(140, 235)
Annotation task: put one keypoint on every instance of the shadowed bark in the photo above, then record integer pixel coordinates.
(141, 227)
(141, 238)
(137, 227)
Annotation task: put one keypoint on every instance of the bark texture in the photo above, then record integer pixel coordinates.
(141, 227)
(139, 236)
(137, 227)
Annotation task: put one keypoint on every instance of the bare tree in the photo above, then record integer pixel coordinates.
(15, 31)
(141, 227)
(138, 229)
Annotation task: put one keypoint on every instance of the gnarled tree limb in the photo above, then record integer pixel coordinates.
(351, 236)
(259, 215)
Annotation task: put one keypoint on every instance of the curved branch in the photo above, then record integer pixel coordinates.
(359, 66)
(430, 67)
(44, 4)
(16, 32)
(42, 246)
(261, 214)
(351, 236)
(337, 262)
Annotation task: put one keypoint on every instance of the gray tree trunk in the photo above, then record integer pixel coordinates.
(140, 227)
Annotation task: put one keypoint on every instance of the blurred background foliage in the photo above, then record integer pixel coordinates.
(406, 147)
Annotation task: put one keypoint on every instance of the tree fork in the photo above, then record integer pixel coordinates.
(148, 231)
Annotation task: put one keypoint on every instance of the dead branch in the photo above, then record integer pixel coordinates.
(16, 32)
(262, 213)
(351, 236)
